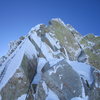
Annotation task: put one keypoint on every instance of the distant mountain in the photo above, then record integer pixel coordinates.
(53, 62)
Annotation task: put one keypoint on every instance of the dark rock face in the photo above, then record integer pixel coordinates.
(93, 90)
(16, 86)
(60, 78)
(20, 81)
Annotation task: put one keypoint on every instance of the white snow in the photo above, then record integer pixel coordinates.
(71, 28)
(34, 29)
(23, 97)
(60, 76)
(79, 98)
(36, 38)
(54, 69)
(61, 86)
(19, 75)
(54, 61)
(97, 85)
(45, 49)
(45, 87)
(52, 40)
(41, 63)
(83, 92)
(51, 95)
(30, 50)
(82, 69)
(77, 52)
(16, 61)
(91, 43)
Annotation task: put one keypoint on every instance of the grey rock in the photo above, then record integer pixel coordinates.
(19, 83)
(62, 80)
(95, 91)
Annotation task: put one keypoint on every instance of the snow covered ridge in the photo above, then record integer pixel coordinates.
(51, 62)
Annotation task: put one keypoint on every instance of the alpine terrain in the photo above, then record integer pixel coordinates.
(52, 62)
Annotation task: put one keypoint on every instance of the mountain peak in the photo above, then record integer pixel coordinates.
(45, 64)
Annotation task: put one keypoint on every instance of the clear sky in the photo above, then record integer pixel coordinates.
(18, 16)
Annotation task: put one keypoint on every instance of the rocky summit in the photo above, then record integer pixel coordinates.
(52, 62)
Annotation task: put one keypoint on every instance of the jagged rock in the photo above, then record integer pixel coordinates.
(94, 94)
(20, 81)
(51, 63)
(66, 38)
(2, 59)
(18, 72)
(93, 90)
(82, 57)
(60, 78)
(91, 46)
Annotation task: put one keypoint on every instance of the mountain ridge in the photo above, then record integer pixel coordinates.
(48, 55)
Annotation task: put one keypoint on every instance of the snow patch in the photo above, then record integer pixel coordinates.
(97, 85)
(82, 69)
(34, 29)
(23, 97)
(53, 41)
(41, 63)
(15, 62)
(54, 69)
(61, 86)
(19, 75)
(54, 61)
(45, 87)
(79, 98)
(60, 76)
(51, 95)
(71, 28)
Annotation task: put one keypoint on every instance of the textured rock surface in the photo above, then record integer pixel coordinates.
(91, 46)
(20, 81)
(61, 79)
(95, 90)
(66, 38)
(50, 63)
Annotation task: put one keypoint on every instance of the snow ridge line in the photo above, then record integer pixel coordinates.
(4, 71)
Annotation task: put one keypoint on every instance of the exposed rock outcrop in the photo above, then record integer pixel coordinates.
(53, 62)
(62, 80)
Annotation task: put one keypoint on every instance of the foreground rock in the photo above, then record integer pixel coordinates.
(62, 80)
(51, 63)
(17, 74)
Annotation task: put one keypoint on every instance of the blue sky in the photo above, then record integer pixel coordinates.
(18, 16)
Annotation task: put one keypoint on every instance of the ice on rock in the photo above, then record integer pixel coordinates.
(83, 70)
(54, 70)
(45, 87)
(51, 95)
(16, 61)
(41, 63)
(23, 97)
(79, 98)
